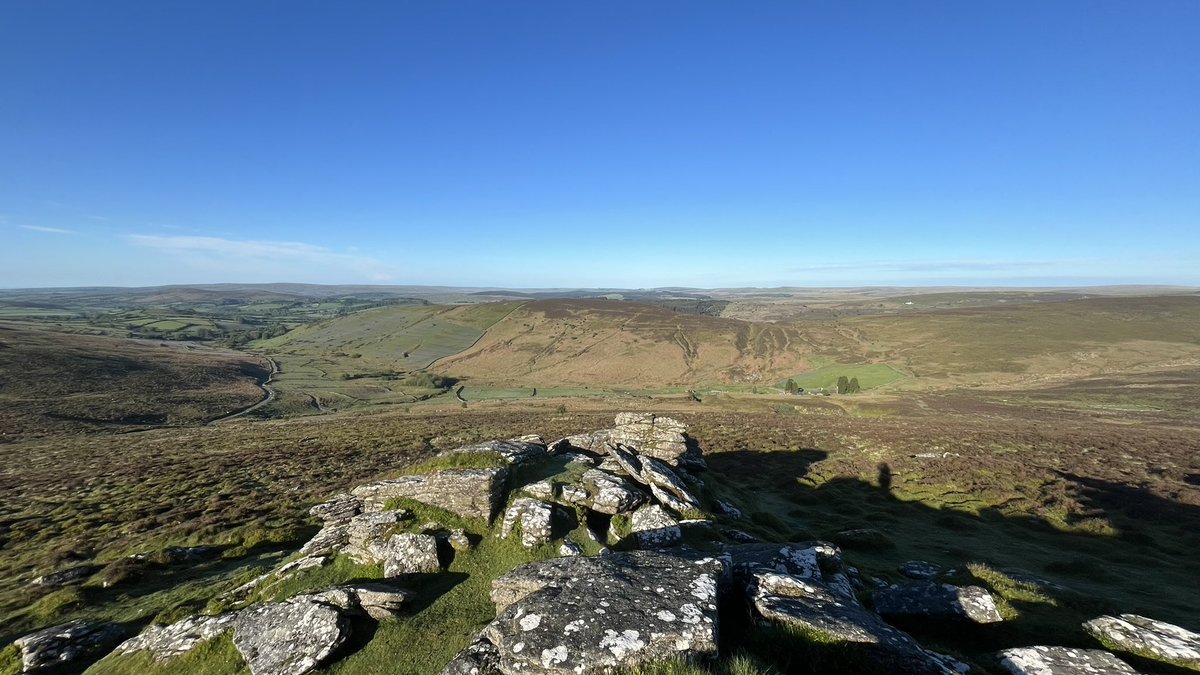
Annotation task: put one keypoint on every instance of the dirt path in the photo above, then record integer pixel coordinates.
(268, 394)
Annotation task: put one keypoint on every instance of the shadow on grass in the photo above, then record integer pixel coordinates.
(1052, 580)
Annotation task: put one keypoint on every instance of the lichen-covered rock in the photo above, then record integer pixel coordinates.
(513, 450)
(1062, 661)
(919, 570)
(838, 619)
(627, 459)
(606, 493)
(472, 493)
(662, 479)
(66, 643)
(653, 527)
(378, 601)
(586, 615)
(179, 638)
(366, 528)
(595, 441)
(336, 514)
(807, 585)
(534, 518)
(1148, 638)
(658, 437)
(406, 554)
(479, 658)
(941, 601)
(289, 638)
(569, 548)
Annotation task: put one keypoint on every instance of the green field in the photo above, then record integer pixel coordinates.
(870, 375)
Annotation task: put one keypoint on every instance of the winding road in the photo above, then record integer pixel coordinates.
(268, 395)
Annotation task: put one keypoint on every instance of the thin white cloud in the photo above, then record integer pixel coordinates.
(232, 258)
(51, 230)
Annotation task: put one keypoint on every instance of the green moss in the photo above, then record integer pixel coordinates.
(214, 657)
(10, 660)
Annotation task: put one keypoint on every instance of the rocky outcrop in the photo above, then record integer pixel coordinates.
(646, 434)
(66, 643)
(1062, 661)
(584, 615)
(335, 515)
(289, 638)
(919, 570)
(471, 493)
(938, 601)
(1148, 638)
(597, 490)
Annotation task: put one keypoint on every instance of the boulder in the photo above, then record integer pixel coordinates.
(807, 585)
(919, 570)
(1148, 638)
(653, 527)
(606, 493)
(179, 638)
(940, 601)
(534, 518)
(289, 638)
(727, 509)
(513, 450)
(479, 658)
(569, 548)
(596, 442)
(1061, 661)
(471, 493)
(406, 554)
(66, 643)
(626, 458)
(587, 615)
(365, 529)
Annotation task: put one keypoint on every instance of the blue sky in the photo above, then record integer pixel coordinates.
(619, 144)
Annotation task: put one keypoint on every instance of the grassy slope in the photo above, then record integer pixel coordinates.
(367, 346)
(53, 381)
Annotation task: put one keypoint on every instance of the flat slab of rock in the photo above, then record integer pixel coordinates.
(472, 493)
(586, 615)
(406, 554)
(940, 601)
(167, 642)
(378, 601)
(66, 643)
(289, 638)
(662, 438)
(513, 450)
(1148, 638)
(1062, 661)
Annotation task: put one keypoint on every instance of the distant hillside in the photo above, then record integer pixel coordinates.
(54, 381)
(589, 342)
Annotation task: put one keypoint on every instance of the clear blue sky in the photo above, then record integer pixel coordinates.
(623, 144)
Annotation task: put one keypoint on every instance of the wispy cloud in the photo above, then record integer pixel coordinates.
(227, 258)
(51, 230)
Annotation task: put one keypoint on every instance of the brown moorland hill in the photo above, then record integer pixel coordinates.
(591, 342)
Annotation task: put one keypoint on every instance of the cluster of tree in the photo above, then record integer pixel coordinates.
(791, 388)
(848, 386)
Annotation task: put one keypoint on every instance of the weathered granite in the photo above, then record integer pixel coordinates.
(653, 527)
(167, 642)
(406, 554)
(472, 493)
(585, 615)
(66, 643)
(70, 575)
(919, 570)
(1148, 638)
(513, 450)
(940, 601)
(534, 520)
(289, 638)
(479, 658)
(378, 601)
(1043, 660)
